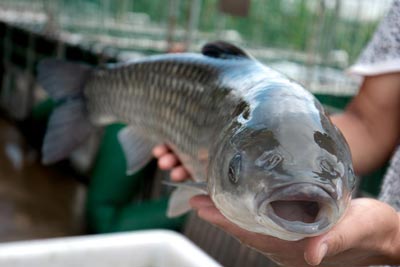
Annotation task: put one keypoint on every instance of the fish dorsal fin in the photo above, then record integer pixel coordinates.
(221, 49)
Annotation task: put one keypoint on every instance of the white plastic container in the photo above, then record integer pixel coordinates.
(155, 248)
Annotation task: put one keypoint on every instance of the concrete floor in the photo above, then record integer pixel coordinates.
(35, 201)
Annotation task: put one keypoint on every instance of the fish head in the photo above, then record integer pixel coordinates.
(290, 177)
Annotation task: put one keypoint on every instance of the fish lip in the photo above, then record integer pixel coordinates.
(300, 192)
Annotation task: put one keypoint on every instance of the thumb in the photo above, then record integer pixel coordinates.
(315, 250)
(326, 245)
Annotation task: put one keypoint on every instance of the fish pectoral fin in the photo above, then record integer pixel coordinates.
(137, 149)
(222, 49)
(201, 186)
(179, 201)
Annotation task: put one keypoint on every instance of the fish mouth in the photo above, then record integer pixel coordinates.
(300, 208)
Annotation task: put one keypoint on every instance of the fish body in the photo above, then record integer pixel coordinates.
(257, 142)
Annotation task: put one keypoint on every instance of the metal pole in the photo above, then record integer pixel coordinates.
(221, 21)
(172, 19)
(105, 17)
(193, 22)
(52, 26)
(122, 9)
(314, 44)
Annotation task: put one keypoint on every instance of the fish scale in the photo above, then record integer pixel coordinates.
(164, 99)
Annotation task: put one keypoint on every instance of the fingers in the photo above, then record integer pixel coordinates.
(344, 240)
(160, 150)
(335, 241)
(315, 251)
(167, 160)
(201, 201)
(179, 174)
(208, 212)
(272, 247)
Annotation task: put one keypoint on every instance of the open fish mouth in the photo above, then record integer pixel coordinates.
(300, 208)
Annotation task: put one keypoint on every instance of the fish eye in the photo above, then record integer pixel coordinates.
(234, 168)
(269, 160)
(327, 167)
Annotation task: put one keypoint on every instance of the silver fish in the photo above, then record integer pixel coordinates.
(258, 143)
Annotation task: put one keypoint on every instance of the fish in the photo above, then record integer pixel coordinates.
(258, 143)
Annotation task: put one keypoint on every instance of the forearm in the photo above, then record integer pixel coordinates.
(367, 154)
(371, 122)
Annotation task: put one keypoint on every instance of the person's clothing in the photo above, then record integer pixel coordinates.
(382, 55)
(390, 192)
(119, 202)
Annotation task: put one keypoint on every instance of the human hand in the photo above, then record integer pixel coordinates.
(369, 233)
(167, 160)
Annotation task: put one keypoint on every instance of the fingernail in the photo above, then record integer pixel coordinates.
(323, 249)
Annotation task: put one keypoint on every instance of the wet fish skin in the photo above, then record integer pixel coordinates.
(248, 135)
(176, 99)
(285, 140)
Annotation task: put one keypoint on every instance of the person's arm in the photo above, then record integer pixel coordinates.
(371, 122)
